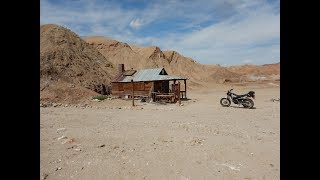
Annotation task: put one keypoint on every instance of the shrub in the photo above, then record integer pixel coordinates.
(101, 97)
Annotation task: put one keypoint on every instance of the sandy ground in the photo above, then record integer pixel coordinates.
(199, 140)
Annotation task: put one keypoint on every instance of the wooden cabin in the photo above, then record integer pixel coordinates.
(147, 83)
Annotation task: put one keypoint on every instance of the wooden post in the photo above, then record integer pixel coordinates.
(179, 92)
(185, 88)
(132, 92)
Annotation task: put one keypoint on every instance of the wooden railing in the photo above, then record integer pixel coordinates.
(163, 97)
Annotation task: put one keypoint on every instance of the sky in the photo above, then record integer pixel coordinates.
(225, 32)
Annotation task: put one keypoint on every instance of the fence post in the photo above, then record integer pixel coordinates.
(132, 92)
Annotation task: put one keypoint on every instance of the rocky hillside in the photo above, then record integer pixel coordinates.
(66, 58)
(254, 72)
(72, 68)
(139, 57)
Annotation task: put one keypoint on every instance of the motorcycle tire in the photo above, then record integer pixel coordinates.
(248, 103)
(225, 102)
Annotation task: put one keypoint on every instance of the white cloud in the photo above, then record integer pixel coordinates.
(103, 18)
(252, 29)
(254, 35)
(136, 23)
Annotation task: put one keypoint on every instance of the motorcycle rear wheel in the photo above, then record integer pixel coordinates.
(248, 103)
(225, 102)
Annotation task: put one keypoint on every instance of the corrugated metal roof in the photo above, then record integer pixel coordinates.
(149, 75)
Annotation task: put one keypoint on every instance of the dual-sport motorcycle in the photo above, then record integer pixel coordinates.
(244, 100)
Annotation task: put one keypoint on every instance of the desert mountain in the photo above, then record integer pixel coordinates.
(67, 59)
(139, 57)
(72, 68)
(254, 72)
(119, 53)
(267, 69)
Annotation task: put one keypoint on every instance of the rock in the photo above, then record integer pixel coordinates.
(77, 149)
(41, 105)
(61, 130)
(66, 105)
(65, 141)
(54, 104)
(58, 168)
(84, 105)
(62, 137)
(102, 145)
(119, 108)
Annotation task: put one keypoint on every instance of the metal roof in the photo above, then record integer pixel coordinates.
(149, 75)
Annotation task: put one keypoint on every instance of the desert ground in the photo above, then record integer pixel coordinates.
(199, 139)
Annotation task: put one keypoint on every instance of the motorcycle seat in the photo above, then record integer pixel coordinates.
(239, 96)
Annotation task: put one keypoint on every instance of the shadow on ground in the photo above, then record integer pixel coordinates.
(243, 107)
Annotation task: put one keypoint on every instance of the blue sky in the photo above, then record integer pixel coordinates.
(225, 32)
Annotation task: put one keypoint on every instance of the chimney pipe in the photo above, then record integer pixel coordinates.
(120, 68)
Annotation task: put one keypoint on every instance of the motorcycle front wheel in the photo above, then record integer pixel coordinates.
(248, 103)
(225, 102)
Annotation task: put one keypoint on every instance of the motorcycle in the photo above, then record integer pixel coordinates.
(244, 100)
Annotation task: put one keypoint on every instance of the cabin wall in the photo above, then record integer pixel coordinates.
(121, 89)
